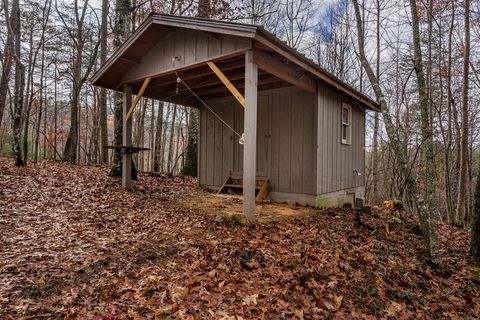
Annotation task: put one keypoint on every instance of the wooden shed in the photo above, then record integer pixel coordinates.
(302, 129)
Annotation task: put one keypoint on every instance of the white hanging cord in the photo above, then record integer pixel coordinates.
(206, 105)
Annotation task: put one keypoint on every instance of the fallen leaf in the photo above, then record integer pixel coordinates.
(250, 300)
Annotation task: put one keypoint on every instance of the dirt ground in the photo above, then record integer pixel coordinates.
(74, 245)
(227, 205)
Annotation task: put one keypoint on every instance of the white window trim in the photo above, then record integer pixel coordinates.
(349, 124)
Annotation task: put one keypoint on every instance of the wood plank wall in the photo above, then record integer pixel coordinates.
(337, 162)
(191, 46)
(286, 140)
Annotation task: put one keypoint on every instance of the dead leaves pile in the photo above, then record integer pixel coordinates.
(74, 245)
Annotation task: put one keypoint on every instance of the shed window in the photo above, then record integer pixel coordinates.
(346, 124)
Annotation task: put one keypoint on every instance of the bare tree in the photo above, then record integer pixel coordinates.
(296, 19)
(158, 139)
(79, 35)
(204, 9)
(462, 176)
(450, 107)
(428, 213)
(121, 29)
(6, 65)
(15, 30)
(103, 92)
(262, 12)
(45, 19)
(376, 124)
(411, 193)
(172, 140)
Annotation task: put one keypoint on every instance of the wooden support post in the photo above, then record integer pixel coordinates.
(227, 83)
(127, 138)
(250, 129)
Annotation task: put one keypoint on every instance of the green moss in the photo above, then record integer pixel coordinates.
(324, 202)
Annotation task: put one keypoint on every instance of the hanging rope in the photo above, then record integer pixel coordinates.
(179, 80)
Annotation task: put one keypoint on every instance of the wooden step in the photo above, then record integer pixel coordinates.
(237, 184)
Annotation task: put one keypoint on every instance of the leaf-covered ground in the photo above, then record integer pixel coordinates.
(74, 245)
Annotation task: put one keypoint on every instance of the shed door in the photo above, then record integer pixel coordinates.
(263, 139)
(263, 136)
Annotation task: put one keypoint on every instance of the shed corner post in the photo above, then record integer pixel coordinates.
(127, 138)
(250, 129)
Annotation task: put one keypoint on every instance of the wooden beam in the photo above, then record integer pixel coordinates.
(250, 130)
(206, 80)
(227, 83)
(137, 97)
(197, 73)
(239, 86)
(284, 71)
(209, 82)
(126, 138)
(207, 90)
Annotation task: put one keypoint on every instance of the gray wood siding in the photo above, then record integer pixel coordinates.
(191, 46)
(336, 162)
(286, 140)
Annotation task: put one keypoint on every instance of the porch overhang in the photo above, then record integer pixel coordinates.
(279, 65)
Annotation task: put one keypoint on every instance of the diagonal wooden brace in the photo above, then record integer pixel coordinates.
(138, 96)
(227, 83)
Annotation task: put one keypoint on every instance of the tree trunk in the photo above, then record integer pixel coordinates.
(475, 228)
(428, 211)
(40, 105)
(172, 137)
(177, 149)
(55, 116)
(410, 185)
(19, 83)
(29, 94)
(158, 139)
(376, 122)
(462, 177)
(139, 131)
(120, 30)
(190, 168)
(70, 151)
(164, 139)
(93, 146)
(203, 9)
(6, 66)
(103, 92)
(151, 136)
(78, 38)
(450, 106)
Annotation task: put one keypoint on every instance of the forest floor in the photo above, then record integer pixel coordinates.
(73, 245)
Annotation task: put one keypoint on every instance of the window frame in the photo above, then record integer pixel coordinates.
(348, 140)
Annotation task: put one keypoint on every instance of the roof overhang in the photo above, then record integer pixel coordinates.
(131, 52)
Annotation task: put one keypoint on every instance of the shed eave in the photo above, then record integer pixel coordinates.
(95, 79)
(268, 39)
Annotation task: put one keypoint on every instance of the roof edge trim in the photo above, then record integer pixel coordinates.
(121, 50)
